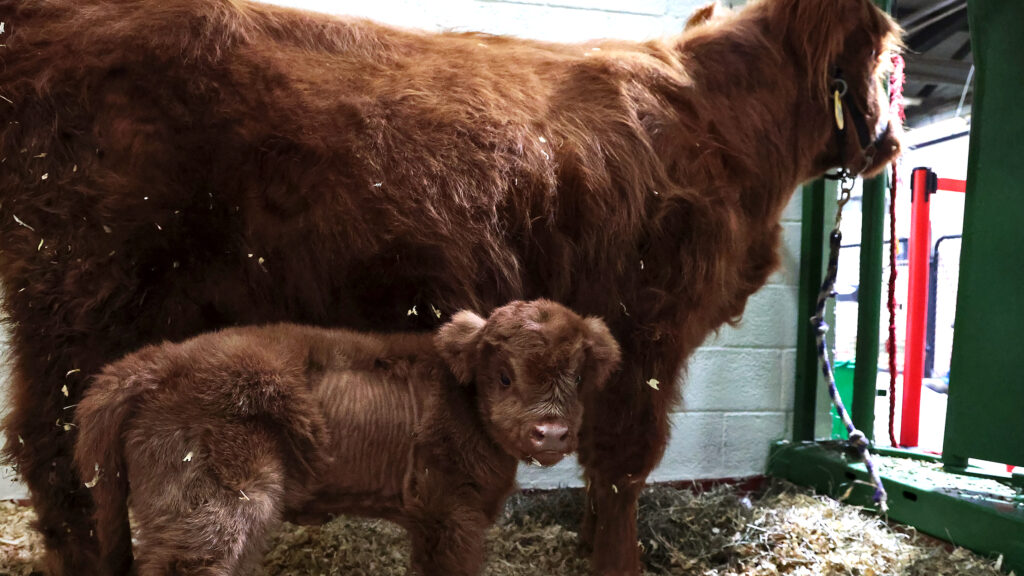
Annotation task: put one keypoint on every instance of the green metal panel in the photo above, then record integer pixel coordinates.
(869, 296)
(977, 513)
(869, 299)
(810, 399)
(843, 370)
(985, 416)
(812, 234)
(818, 207)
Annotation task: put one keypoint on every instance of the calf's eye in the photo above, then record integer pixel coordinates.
(578, 379)
(505, 380)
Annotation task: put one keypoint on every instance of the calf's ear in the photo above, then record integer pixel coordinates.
(603, 354)
(458, 341)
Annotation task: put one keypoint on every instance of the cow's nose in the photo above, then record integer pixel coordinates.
(550, 436)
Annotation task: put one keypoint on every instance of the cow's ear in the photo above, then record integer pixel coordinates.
(816, 32)
(603, 354)
(703, 14)
(458, 341)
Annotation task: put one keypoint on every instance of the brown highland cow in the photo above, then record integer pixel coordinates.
(171, 167)
(220, 437)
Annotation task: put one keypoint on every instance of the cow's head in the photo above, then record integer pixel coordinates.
(529, 362)
(844, 48)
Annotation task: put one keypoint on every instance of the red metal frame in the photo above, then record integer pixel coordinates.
(924, 183)
(952, 185)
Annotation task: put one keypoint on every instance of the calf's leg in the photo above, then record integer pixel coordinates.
(225, 536)
(210, 515)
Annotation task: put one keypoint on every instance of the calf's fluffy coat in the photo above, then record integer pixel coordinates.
(220, 437)
(177, 166)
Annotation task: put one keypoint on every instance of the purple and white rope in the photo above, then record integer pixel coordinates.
(856, 438)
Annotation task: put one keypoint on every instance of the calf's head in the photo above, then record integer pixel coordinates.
(529, 362)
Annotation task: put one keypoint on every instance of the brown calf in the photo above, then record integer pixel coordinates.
(171, 167)
(222, 436)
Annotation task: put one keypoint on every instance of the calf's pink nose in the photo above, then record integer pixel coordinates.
(550, 436)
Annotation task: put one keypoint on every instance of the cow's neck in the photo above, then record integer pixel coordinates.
(766, 129)
(748, 137)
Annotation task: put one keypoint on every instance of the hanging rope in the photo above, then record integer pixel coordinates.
(856, 438)
(895, 111)
(890, 343)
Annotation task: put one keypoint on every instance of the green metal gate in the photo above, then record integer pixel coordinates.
(985, 415)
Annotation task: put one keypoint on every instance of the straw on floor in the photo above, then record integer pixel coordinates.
(784, 530)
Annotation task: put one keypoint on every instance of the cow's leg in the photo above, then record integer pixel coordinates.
(613, 525)
(626, 430)
(40, 441)
(448, 546)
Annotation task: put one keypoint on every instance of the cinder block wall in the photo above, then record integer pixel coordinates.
(555, 20)
(9, 486)
(738, 394)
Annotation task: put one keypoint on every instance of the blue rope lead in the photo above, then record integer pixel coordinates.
(856, 438)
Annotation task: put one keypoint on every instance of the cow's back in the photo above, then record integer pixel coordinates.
(240, 163)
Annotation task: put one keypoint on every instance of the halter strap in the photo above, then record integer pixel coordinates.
(842, 107)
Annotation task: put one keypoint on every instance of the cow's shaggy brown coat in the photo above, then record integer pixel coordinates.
(175, 166)
(220, 437)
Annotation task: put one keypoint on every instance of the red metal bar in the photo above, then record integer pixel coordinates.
(923, 184)
(952, 185)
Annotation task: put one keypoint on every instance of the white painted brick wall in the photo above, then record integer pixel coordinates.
(556, 20)
(9, 488)
(745, 375)
(738, 395)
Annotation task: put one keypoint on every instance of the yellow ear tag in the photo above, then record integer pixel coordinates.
(840, 120)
